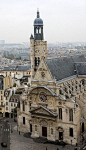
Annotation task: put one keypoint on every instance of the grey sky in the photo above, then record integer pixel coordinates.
(64, 20)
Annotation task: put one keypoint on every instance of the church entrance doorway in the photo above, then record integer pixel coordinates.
(44, 131)
(60, 135)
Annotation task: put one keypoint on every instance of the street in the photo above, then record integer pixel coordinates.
(5, 134)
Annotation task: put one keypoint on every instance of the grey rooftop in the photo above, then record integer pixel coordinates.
(65, 67)
(17, 68)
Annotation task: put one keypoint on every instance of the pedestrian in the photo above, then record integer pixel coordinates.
(46, 148)
(19, 132)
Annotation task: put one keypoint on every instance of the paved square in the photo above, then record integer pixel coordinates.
(19, 142)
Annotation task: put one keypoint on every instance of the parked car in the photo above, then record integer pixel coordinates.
(4, 144)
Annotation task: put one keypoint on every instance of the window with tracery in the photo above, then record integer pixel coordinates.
(60, 113)
(70, 115)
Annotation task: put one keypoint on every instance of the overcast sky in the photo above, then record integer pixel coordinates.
(64, 20)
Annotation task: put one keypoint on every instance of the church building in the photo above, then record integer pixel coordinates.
(54, 106)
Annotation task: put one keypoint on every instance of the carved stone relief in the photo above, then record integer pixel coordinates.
(43, 123)
(42, 111)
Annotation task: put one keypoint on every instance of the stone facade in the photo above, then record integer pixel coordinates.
(53, 108)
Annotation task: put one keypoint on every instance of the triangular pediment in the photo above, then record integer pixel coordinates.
(43, 111)
(43, 73)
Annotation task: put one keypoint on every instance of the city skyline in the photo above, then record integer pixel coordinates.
(64, 21)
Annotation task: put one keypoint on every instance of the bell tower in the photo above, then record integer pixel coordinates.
(37, 44)
(38, 27)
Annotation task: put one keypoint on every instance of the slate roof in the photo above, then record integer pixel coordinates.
(17, 68)
(81, 68)
(64, 67)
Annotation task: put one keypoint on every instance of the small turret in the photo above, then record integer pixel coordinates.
(31, 37)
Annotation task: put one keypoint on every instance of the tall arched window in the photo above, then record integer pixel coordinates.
(39, 30)
(23, 106)
(60, 113)
(70, 115)
(35, 61)
(65, 89)
(38, 60)
(36, 31)
(83, 82)
(60, 92)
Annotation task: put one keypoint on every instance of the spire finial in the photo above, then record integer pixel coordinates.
(38, 13)
(37, 9)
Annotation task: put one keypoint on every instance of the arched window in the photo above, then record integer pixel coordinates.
(60, 113)
(36, 31)
(23, 106)
(83, 82)
(70, 115)
(51, 131)
(35, 127)
(65, 89)
(35, 61)
(38, 60)
(71, 132)
(60, 92)
(39, 30)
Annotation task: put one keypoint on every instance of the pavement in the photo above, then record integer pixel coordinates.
(19, 142)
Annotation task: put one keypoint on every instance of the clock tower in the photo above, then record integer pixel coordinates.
(37, 44)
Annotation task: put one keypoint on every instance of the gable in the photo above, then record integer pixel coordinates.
(43, 73)
(43, 111)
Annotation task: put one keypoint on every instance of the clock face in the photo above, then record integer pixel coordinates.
(43, 96)
(36, 50)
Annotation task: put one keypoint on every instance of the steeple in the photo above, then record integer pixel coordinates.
(38, 46)
(38, 27)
